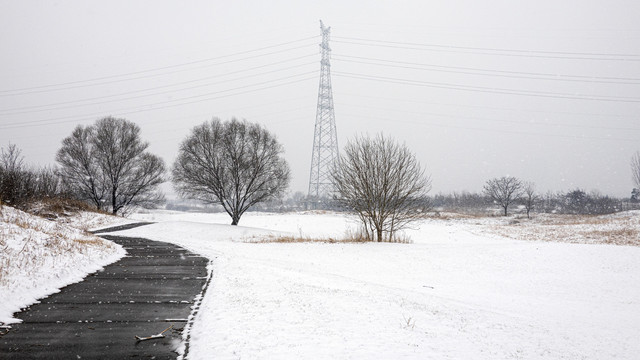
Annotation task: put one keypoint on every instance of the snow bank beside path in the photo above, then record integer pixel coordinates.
(38, 257)
(451, 294)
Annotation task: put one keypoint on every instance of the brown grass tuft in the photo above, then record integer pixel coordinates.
(349, 238)
(55, 207)
(290, 239)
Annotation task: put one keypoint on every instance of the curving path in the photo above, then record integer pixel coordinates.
(153, 288)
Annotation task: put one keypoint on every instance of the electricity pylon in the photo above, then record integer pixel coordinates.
(325, 139)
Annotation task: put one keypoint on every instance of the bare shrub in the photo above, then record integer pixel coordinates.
(383, 183)
(15, 182)
(20, 185)
(47, 184)
(579, 202)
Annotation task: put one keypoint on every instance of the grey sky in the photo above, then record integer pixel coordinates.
(548, 91)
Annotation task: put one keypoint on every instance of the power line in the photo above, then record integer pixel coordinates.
(491, 51)
(492, 72)
(490, 130)
(259, 118)
(48, 107)
(488, 107)
(143, 108)
(193, 116)
(581, 126)
(484, 89)
(37, 89)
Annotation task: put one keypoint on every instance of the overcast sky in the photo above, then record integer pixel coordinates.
(547, 91)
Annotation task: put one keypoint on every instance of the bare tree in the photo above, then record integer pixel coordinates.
(12, 175)
(504, 191)
(635, 169)
(577, 202)
(11, 159)
(529, 197)
(383, 183)
(106, 164)
(18, 184)
(235, 163)
(81, 174)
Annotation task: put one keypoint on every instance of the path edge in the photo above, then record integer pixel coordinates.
(186, 334)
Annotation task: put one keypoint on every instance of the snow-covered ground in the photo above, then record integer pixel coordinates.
(462, 290)
(480, 288)
(619, 229)
(38, 256)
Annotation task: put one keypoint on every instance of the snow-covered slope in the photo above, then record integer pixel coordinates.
(38, 256)
(457, 292)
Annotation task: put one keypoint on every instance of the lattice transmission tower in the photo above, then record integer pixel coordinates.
(325, 139)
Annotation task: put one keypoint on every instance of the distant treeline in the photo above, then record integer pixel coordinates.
(21, 185)
(575, 201)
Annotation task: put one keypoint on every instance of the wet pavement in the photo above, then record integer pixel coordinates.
(150, 290)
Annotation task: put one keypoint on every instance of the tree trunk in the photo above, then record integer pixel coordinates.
(113, 202)
(505, 210)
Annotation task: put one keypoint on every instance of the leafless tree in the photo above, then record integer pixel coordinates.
(11, 159)
(504, 191)
(529, 197)
(106, 164)
(20, 184)
(383, 183)
(81, 173)
(17, 182)
(235, 163)
(11, 169)
(635, 169)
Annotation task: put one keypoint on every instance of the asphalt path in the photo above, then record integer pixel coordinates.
(152, 289)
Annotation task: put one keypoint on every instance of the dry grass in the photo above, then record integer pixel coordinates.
(349, 238)
(298, 239)
(28, 243)
(618, 229)
(291, 239)
(624, 236)
(91, 242)
(451, 215)
(54, 208)
(572, 220)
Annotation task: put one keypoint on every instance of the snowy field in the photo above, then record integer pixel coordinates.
(466, 288)
(38, 256)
